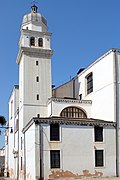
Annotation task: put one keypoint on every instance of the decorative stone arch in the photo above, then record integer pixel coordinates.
(73, 112)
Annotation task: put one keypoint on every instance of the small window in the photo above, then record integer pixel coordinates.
(99, 158)
(89, 79)
(98, 131)
(37, 96)
(21, 143)
(37, 79)
(55, 159)
(38, 115)
(32, 41)
(11, 109)
(54, 132)
(40, 42)
(36, 63)
(21, 163)
(80, 96)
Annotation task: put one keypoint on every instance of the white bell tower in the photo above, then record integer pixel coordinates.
(34, 60)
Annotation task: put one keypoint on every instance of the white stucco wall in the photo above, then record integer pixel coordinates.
(29, 88)
(77, 151)
(103, 95)
(30, 144)
(56, 106)
(13, 106)
(103, 87)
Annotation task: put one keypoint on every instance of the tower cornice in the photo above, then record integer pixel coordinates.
(28, 50)
(31, 32)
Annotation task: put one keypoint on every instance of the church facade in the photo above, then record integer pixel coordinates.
(67, 132)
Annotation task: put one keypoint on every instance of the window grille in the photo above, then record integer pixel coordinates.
(54, 132)
(55, 159)
(73, 112)
(99, 158)
(89, 83)
(98, 131)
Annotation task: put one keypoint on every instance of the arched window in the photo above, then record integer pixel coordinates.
(73, 112)
(40, 42)
(32, 41)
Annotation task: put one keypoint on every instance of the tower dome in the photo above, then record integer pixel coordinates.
(34, 21)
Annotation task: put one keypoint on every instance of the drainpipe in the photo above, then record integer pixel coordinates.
(18, 149)
(116, 110)
(24, 158)
(41, 151)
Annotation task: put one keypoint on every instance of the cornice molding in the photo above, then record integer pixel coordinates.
(69, 121)
(70, 100)
(31, 32)
(30, 51)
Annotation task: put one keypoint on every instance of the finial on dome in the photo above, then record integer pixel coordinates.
(34, 8)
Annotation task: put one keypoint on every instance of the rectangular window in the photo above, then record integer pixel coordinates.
(99, 158)
(21, 163)
(54, 132)
(55, 159)
(37, 96)
(98, 131)
(11, 108)
(89, 79)
(80, 96)
(38, 115)
(36, 63)
(21, 143)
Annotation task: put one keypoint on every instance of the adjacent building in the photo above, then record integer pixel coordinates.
(2, 161)
(71, 131)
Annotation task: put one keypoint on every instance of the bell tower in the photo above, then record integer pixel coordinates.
(34, 60)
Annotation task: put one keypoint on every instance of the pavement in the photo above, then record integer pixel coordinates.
(100, 178)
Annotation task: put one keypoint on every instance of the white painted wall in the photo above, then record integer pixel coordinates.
(56, 106)
(30, 145)
(103, 88)
(13, 106)
(77, 150)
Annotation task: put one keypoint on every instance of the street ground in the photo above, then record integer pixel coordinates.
(107, 178)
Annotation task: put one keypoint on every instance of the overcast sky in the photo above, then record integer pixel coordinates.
(82, 30)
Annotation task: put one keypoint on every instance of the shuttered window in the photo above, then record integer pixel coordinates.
(55, 159)
(99, 158)
(54, 132)
(98, 131)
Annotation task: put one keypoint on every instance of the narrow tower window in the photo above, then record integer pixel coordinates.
(32, 41)
(36, 63)
(37, 79)
(40, 42)
(37, 96)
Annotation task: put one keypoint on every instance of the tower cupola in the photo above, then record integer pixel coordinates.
(34, 21)
(34, 8)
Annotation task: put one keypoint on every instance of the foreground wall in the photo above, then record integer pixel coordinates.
(77, 152)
